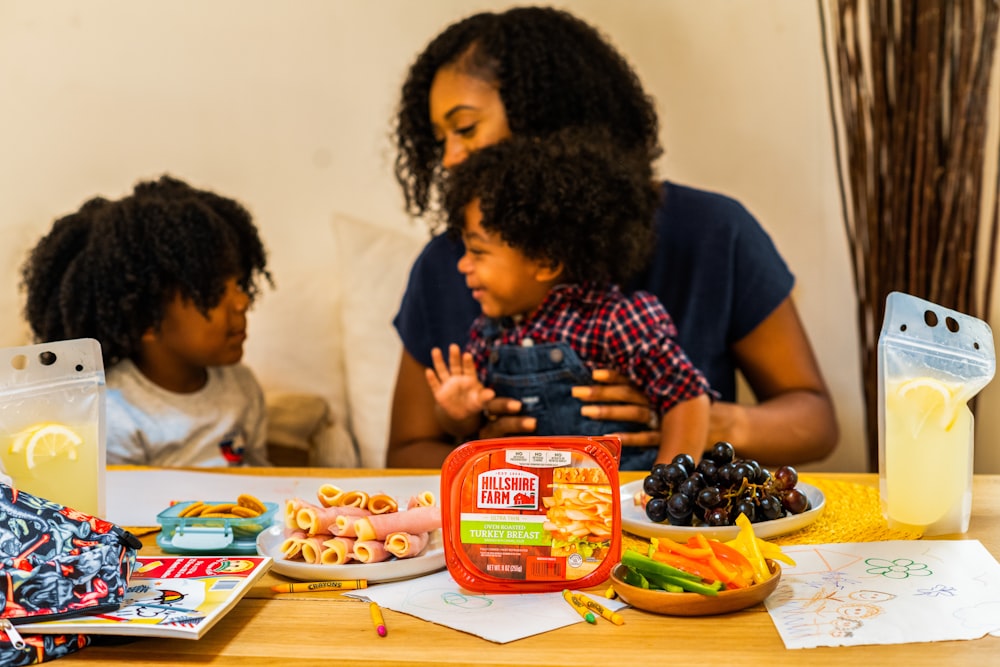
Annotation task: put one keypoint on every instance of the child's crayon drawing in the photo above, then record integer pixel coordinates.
(886, 593)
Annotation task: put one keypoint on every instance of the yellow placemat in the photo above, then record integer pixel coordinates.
(852, 514)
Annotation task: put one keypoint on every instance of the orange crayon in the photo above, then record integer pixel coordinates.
(315, 586)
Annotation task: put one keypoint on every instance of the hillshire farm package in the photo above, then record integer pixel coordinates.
(528, 514)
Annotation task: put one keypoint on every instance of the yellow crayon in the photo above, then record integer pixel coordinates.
(600, 609)
(315, 586)
(579, 607)
(377, 619)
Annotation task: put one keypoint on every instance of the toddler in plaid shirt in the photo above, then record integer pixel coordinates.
(550, 228)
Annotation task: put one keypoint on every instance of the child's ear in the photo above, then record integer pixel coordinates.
(548, 271)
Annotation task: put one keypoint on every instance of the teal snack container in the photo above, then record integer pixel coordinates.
(216, 535)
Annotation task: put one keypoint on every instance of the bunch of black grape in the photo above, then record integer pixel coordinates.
(720, 488)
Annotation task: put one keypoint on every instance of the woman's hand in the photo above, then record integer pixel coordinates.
(503, 419)
(613, 398)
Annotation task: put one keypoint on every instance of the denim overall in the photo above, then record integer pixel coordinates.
(542, 376)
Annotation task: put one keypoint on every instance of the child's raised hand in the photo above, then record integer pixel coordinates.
(455, 385)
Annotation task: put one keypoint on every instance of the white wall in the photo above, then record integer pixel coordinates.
(286, 106)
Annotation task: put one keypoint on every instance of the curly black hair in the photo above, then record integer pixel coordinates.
(573, 197)
(108, 270)
(553, 71)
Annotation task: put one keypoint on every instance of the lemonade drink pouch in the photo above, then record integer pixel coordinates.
(931, 361)
(52, 421)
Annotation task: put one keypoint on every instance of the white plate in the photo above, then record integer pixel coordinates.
(634, 519)
(430, 560)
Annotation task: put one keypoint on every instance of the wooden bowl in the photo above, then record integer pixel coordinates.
(693, 604)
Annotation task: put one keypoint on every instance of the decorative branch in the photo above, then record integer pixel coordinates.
(908, 82)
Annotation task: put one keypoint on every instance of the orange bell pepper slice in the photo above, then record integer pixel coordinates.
(729, 575)
(727, 554)
(694, 551)
(690, 565)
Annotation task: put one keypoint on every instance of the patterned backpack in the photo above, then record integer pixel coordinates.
(55, 562)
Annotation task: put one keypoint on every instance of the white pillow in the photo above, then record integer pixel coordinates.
(373, 264)
(294, 338)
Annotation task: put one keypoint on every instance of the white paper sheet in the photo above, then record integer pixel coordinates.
(501, 617)
(886, 593)
(135, 497)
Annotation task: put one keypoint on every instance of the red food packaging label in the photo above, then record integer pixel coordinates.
(531, 513)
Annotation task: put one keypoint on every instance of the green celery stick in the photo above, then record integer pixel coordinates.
(661, 575)
(668, 583)
(636, 560)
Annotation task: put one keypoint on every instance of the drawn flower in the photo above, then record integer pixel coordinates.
(899, 568)
(938, 591)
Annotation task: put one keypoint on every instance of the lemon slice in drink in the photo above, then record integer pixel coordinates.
(47, 441)
(930, 396)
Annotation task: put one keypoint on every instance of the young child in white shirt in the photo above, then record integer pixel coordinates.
(163, 279)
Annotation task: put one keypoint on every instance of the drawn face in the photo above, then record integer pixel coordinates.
(847, 624)
(233, 565)
(466, 113)
(502, 279)
(858, 611)
(870, 596)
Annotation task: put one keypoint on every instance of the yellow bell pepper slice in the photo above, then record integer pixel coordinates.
(750, 549)
(767, 549)
(773, 552)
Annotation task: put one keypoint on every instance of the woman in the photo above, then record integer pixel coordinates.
(529, 71)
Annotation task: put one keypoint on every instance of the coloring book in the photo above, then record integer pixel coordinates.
(170, 596)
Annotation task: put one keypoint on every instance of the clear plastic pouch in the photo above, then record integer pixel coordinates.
(52, 421)
(931, 361)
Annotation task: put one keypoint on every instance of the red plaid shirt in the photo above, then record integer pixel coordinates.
(631, 334)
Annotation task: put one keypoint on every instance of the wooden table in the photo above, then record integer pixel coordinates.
(327, 629)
